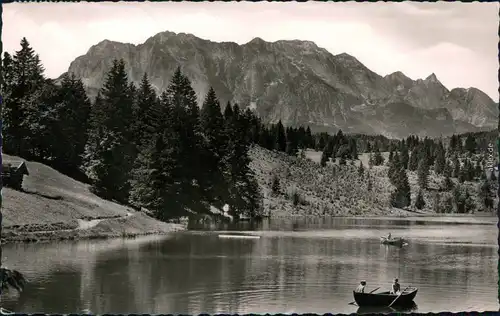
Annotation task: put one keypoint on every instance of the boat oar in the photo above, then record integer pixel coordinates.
(401, 293)
(368, 293)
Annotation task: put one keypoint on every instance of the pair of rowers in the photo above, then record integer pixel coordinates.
(395, 288)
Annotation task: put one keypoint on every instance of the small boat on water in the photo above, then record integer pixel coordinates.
(398, 241)
(385, 299)
(239, 236)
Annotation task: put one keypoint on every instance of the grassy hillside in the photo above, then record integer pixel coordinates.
(54, 206)
(336, 190)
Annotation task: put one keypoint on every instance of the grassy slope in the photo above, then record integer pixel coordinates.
(326, 193)
(55, 206)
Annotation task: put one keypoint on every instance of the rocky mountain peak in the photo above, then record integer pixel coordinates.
(432, 78)
(257, 41)
(296, 82)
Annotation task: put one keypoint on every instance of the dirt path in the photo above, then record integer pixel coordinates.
(84, 224)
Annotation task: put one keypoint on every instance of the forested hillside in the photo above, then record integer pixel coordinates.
(175, 157)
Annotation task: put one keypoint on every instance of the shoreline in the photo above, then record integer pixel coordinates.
(116, 228)
(129, 226)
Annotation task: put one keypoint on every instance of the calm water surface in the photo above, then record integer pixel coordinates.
(297, 266)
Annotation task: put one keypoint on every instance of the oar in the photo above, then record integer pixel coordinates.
(368, 293)
(401, 293)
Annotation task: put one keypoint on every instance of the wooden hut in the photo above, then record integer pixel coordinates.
(12, 176)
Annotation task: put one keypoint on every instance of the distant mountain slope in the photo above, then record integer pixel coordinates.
(297, 82)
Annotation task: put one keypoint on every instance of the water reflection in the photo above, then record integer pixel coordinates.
(387, 310)
(310, 270)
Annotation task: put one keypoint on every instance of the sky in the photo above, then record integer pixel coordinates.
(456, 41)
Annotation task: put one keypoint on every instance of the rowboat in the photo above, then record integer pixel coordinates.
(385, 298)
(240, 236)
(393, 241)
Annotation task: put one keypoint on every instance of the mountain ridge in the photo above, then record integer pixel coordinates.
(297, 82)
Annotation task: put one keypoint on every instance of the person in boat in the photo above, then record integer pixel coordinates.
(396, 287)
(389, 236)
(361, 287)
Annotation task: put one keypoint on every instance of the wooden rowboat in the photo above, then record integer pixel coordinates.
(240, 236)
(385, 298)
(400, 242)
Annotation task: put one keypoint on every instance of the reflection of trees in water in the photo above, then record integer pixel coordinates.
(195, 273)
(44, 295)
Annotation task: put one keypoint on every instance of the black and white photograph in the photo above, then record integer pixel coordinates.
(249, 157)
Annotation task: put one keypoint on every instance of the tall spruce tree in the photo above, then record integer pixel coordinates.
(212, 123)
(72, 114)
(280, 137)
(109, 152)
(470, 144)
(413, 162)
(146, 108)
(401, 197)
(244, 195)
(154, 180)
(404, 156)
(423, 174)
(21, 111)
(440, 161)
(187, 127)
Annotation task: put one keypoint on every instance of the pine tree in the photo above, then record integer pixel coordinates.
(212, 123)
(280, 137)
(470, 144)
(413, 162)
(420, 202)
(404, 157)
(244, 194)
(485, 193)
(440, 162)
(146, 115)
(478, 169)
(447, 204)
(401, 197)
(72, 116)
(324, 158)
(394, 168)
(353, 148)
(456, 167)
(361, 169)
(436, 203)
(275, 186)
(109, 152)
(448, 169)
(309, 138)
(153, 180)
(187, 126)
(423, 174)
(24, 80)
(378, 160)
(447, 183)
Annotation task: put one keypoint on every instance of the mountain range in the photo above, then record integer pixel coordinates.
(298, 83)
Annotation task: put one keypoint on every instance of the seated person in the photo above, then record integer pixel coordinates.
(361, 287)
(396, 288)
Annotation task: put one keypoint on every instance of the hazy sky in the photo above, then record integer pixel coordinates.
(456, 41)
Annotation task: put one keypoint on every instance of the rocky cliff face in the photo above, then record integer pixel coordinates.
(299, 83)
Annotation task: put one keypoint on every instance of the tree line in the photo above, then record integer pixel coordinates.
(167, 154)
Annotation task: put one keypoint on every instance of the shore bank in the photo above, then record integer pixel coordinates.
(53, 206)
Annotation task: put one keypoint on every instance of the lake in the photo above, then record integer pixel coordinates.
(303, 265)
